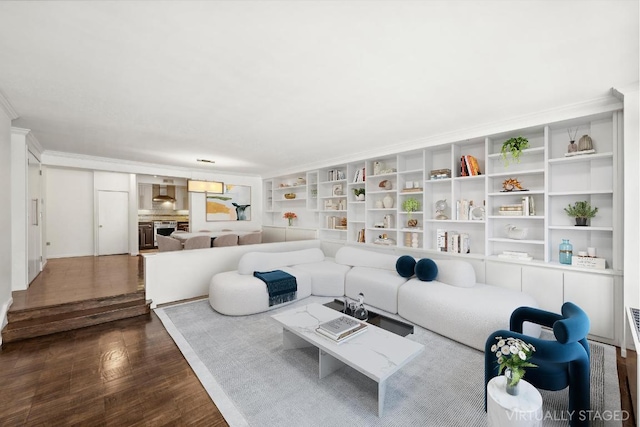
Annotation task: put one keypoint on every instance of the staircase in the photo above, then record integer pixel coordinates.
(34, 322)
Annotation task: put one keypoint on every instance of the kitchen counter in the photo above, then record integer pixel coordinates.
(151, 218)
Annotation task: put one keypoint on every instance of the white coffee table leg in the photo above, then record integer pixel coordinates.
(328, 364)
(291, 340)
(382, 390)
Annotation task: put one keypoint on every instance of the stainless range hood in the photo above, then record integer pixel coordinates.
(164, 193)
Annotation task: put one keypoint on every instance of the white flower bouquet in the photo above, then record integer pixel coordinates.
(513, 354)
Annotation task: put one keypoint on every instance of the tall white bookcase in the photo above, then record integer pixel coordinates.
(551, 179)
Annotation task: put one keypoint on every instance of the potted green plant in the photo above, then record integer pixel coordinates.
(513, 356)
(359, 193)
(581, 211)
(513, 146)
(411, 205)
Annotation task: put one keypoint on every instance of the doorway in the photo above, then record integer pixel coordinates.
(34, 220)
(113, 222)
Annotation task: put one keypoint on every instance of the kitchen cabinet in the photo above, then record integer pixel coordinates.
(145, 235)
(145, 196)
(182, 198)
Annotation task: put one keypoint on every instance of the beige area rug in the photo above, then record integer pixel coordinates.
(254, 381)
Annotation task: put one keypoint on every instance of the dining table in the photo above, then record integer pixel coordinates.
(183, 235)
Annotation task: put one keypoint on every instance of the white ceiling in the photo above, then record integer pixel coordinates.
(266, 86)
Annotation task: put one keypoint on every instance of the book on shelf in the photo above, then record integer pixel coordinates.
(521, 256)
(359, 175)
(341, 328)
(361, 234)
(469, 166)
(578, 153)
(440, 174)
(441, 240)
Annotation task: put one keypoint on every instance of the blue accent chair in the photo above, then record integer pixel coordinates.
(562, 362)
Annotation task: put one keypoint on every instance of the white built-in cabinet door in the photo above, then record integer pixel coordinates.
(545, 286)
(593, 293)
(182, 198)
(504, 275)
(145, 196)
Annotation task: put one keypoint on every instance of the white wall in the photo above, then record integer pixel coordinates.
(70, 213)
(5, 213)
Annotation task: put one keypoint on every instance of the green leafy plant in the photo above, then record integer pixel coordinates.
(513, 354)
(513, 146)
(358, 191)
(411, 205)
(581, 210)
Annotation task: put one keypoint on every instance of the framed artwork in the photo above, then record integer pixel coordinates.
(234, 204)
(337, 190)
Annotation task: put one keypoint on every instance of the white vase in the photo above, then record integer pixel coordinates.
(387, 201)
(360, 197)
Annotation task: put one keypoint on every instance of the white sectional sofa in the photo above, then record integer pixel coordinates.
(237, 293)
(453, 304)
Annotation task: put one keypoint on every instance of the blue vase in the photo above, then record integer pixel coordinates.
(566, 252)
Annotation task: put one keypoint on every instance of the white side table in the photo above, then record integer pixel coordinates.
(503, 409)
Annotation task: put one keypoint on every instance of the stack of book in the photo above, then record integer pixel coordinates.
(521, 256)
(360, 238)
(440, 174)
(341, 328)
(511, 210)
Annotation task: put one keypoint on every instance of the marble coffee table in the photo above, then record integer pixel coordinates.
(376, 353)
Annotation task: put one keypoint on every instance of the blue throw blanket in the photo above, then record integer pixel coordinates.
(282, 286)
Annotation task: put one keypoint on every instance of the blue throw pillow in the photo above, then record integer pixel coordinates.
(426, 269)
(406, 265)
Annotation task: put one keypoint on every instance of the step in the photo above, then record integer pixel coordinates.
(19, 315)
(15, 331)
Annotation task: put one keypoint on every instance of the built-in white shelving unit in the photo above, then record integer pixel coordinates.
(325, 199)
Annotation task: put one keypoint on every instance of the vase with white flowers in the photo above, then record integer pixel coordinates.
(290, 216)
(513, 356)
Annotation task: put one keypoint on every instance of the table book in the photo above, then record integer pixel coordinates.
(341, 328)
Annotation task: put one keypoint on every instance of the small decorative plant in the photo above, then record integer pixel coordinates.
(290, 216)
(513, 146)
(411, 205)
(581, 211)
(512, 355)
(359, 193)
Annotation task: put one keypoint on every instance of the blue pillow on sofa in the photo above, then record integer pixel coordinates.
(406, 265)
(426, 269)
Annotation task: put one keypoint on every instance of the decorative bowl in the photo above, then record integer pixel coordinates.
(290, 196)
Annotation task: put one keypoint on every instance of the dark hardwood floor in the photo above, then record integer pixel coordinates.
(124, 373)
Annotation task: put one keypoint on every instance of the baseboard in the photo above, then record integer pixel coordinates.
(3, 315)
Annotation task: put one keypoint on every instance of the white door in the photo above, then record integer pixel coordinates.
(34, 227)
(113, 222)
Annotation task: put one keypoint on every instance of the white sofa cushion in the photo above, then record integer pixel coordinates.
(456, 273)
(327, 277)
(380, 287)
(356, 257)
(466, 315)
(268, 261)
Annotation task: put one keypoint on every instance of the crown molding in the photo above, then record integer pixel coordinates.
(84, 161)
(608, 103)
(620, 91)
(7, 107)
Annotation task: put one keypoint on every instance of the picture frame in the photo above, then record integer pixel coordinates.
(234, 204)
(337, 190)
